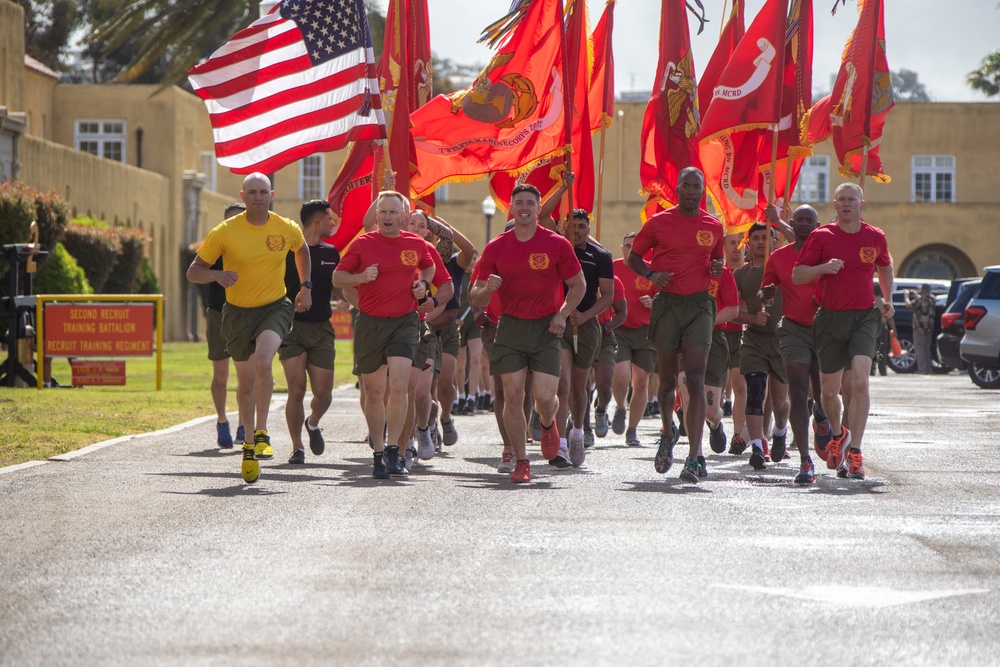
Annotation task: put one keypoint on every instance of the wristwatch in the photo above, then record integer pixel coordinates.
(308, 284)
(649, 272)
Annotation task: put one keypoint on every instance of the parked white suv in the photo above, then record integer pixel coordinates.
(980, 345)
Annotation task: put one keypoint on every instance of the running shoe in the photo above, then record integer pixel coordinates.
(225, 438)
(717, 437)
(665, 452)
(648, 411)
(251, 466)
(241, 434)
(561, 459)
(737, 445)
(855, 464)
(837, 449)
(588, 439)
(654, 409)
(618, 423)
(535, 426)
(316, 443)
(298, 457)
(690, 472)
(262, 446)
(549, 437)
(727, 408)
(680, 422)
(807, 473)
(506, 461)
(767, 449)
(577, 452)
(425, 444)
(450, 433)
(522, 472)
(778, 448)
(378, 467)
(436, 436)
(632, 438)
(821, 437)
(702, 467)
(757, 458)
(601, 423)
(393, 462)
(408, 459)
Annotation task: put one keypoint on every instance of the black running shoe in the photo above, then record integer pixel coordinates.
(717, 438)
(691, 471)
(727, 408)
(702, 468)
(757, 458)
(316, 443)
(393, 461)
(298, 456)
(778, 448)
(680, 421)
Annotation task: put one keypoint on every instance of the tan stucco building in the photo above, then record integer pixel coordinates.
(144, 157)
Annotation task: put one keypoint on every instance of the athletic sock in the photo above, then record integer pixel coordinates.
(780, 432)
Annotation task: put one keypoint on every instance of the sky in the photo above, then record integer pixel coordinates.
(941, 40)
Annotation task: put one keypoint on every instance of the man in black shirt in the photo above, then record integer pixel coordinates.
(308, 351)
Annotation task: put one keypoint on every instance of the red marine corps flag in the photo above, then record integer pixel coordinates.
(670, 124)
(746, 103)
(862, 96)
(290, 86)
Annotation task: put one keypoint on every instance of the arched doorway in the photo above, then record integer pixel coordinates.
(937, 260)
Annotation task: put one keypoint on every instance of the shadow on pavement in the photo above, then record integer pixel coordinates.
(673, 485)
(230, 492)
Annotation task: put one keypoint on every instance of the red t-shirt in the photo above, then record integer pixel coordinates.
(398, 259)
(619, 294)
(635, 287)
(533, 272)
(798, 302)
(493, 307)
(852, 287)
(723, 290)
(683, 246)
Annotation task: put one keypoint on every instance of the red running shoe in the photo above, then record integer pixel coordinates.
(522, 472)
(855, 464)
(837, 449)
(821, 437)
(550, 441)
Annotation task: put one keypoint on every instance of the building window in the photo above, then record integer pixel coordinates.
(441, 193)
(933, 178)
(103, 138)
(208, 168)
(311, 178)
(814, 180)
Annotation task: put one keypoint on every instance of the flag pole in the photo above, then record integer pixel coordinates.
(605, 118)
(568, 93)
(864, 166)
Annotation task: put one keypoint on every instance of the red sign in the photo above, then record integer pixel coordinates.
(97, 372)
(98, 330)
(342, 327)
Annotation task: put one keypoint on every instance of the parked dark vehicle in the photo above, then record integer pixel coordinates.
(952, 321)
(903, 319)
(980, 346)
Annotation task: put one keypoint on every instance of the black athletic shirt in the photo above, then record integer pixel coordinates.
(216, 292)
(456, 272)
(324, 260)
(596, 263)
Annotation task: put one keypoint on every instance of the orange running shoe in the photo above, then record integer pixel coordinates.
(837, 449)
(522, 472)
(855, 464)
(550, 441)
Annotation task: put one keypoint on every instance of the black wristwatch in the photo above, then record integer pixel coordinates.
(308, 284)
(649, 272)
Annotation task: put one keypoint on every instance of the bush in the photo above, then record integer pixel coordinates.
(16, 212)
(126, 273)
(146, 282)
(95, 247)
(61, 274)
(50, 212)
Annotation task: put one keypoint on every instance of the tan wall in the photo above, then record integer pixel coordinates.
(39, 100)
(11, 56)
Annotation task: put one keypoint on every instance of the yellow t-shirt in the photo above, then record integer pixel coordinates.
(256, 254)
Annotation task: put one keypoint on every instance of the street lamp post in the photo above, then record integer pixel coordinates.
(489, 209)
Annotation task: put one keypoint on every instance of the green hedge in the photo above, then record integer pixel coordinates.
(126, 274)
(147, 283)
(61, 274)
(96, 248)
(16, 212)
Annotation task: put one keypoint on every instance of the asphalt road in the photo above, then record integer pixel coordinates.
(152, 551)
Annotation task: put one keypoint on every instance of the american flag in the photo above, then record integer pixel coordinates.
(296, 82)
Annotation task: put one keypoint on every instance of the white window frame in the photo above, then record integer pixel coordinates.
(933, 166)
(208, 166)
(813, 165)
(319, 180)
(441, 193)
(102, 136)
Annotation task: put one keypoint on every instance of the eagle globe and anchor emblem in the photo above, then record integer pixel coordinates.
(489, 102)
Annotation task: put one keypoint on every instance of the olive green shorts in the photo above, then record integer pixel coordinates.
(525, 344)
(588, 342)
(608, 354)
(735, 339)
(470, 329)
(428, 350)
(213, 334)
(759, 354)
(796, 344)
(450, 339)
(717, 369)
(841, 335)
(314, 339)
(241, 326)
(489, 335)
(634, 346)
(681, 318)
(378, 338)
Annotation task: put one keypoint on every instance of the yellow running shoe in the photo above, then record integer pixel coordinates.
(262, 446)
(251, 468)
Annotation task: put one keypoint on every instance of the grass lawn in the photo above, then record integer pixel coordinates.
(36, 424)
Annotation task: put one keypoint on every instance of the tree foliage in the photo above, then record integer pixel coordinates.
(906, 87)
(48, 26)
(986, 79)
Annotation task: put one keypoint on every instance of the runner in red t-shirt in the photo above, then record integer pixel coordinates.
(687, 251)
(842, 257)
(383, 266)
(795, 339)
(528, 266)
